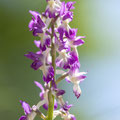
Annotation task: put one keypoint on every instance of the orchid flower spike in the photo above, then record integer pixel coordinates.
(57, 58)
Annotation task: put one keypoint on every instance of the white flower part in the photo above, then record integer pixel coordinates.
(59, 72)
(76, 77)
(61, 101)
(43, 18)
(58, 21)
(31, 116)
(62, 56)
(46, 96)
(47, 56)
(77, 90)
(68, 116)
(54, 41)
(70, 43)
(46, 59)
(75, 50)
(63, 114)
(44, 69)
(47, 22)
(56, 113)
(43, 37)
(65, 24)
(40, 104)
(53, 5)
(34, 108)
(58, 2)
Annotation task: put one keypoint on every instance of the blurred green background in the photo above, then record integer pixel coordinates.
(99, 21)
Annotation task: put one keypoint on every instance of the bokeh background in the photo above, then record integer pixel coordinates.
(99, 21)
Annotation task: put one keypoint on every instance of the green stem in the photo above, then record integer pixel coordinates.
(50, 106)
(61, 78)
(50, 96)
(53, 59)
(40, 114)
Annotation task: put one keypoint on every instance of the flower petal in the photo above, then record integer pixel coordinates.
(69, 5)
(23, 118)
(60, 92)
(77, 90)
(36, 64)
(37, 43)
(48, 74)
(66, 107)
(78, 42)
(31, 24)
(34, 13)
(61, 31)
(39, 85)
(26, 107)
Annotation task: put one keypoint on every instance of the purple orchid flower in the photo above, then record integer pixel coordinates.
(44, 42)
(65, 60)
(69, 5)
(74, 41)
(39, 62)
(36, 24)
(76, 77)
(66, 107)
(44, 96)
(28, 111)
(53, 8)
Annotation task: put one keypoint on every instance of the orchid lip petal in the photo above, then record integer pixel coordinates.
(26, 107)
(39, 85)
(37, 43)
(34, 13)
(23, 118)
